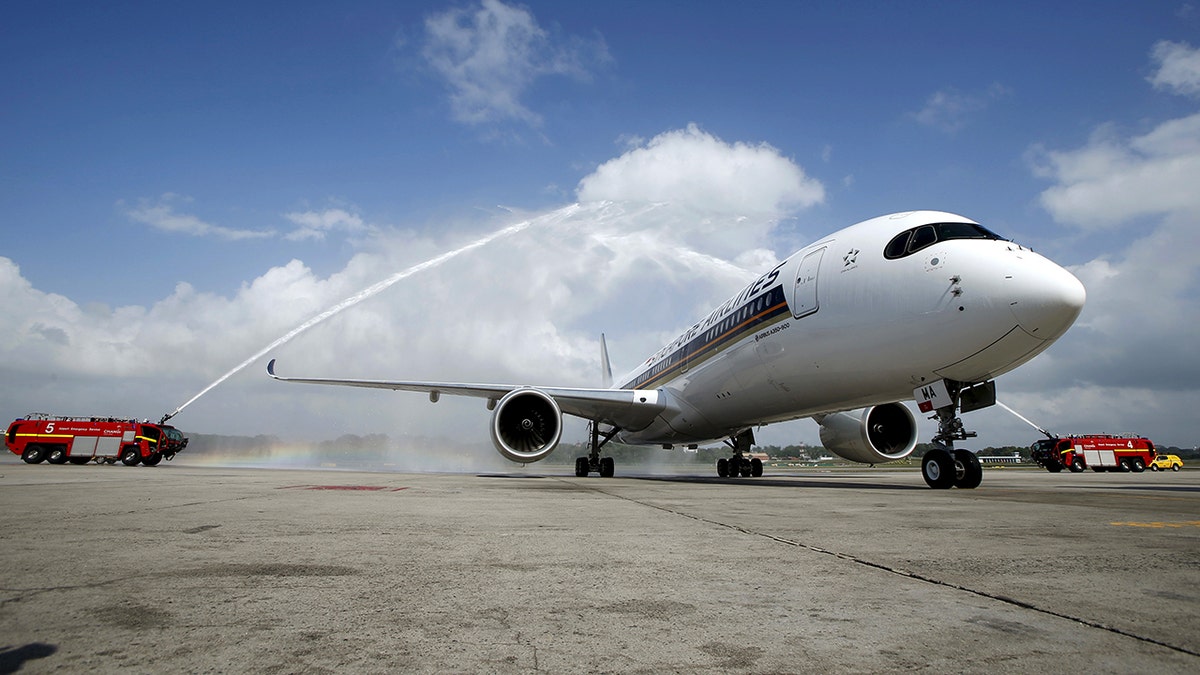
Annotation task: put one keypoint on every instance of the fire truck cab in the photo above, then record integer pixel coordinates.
(58, 439)
(1098, 452)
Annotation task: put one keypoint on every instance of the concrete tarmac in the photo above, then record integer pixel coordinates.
(183, 568)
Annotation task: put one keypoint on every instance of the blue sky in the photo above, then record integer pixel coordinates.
(182, 185)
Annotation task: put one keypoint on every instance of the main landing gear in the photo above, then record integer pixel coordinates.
(738, 464)
(943, 467)
(594, 463)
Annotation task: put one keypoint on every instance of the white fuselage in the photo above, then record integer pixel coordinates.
(838, 326)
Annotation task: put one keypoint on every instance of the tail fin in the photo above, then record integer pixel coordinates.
(605, 366)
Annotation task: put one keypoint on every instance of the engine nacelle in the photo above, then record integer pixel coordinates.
(882, 433)
(526, 425)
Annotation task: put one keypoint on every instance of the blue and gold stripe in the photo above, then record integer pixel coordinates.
(754, 316)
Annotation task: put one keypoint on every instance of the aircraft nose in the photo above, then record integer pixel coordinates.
(1047, 299)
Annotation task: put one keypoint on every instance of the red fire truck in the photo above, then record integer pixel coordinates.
(79, 440)
(1098, 452)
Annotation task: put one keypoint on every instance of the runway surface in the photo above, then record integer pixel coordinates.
(196, 569)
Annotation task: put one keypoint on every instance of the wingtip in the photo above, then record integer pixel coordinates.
(271, 368)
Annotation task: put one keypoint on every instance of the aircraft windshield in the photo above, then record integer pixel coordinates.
(910, 241)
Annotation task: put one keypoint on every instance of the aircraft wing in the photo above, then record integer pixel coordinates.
(630, 409)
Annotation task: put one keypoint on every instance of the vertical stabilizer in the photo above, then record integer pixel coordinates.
(605, 366)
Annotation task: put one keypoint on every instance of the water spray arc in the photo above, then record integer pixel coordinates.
(363, 295)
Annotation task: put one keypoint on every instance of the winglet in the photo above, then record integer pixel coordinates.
(605, 366)
(271, 369)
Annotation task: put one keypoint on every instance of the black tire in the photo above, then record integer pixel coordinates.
(1174, 467)
(756, 467)
(581, 467)
(1077, 466)
(968, 472)
(1137, 465)
(735, 467)
(607, 467)
(57, 454)
(1154, 467)
(131, 456)
(152, 460)
(937, 468)
(723, 467)
(34, 454)
(1054, 468)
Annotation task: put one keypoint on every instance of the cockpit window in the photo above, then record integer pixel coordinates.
(911, 241)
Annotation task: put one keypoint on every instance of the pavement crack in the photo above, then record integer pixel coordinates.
(916, 576)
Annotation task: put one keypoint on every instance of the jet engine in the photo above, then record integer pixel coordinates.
(881, 433)
(526, 425)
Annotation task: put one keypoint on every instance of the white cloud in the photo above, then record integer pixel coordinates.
(950, 109)
(694, 168)
(160, 214)
(316, 224)
(1178, 68)
(1113, 180)
(490, 55)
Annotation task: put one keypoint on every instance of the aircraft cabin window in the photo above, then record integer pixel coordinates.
(911, 241)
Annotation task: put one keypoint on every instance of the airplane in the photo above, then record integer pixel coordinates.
(926, 306)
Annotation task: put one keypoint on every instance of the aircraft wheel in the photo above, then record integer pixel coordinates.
(56, 455)
(723, 467)
(756, 467)
(735, 467)
(34, 454)
(607, 467)
(130, 456)
(968, 473)
(581, 467)
(937, 467)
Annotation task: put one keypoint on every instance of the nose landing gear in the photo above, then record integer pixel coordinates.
(944, 467)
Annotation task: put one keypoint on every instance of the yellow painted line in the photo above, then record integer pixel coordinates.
(1161, 525)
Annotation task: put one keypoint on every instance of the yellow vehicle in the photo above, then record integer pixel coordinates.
(1164, 462)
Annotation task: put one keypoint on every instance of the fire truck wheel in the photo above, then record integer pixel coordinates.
(152, 460)
(33, 454)
(56, 455)
(1137, 465)
(937, 467)
(130, 456)
(1077, 466)
(968, 473)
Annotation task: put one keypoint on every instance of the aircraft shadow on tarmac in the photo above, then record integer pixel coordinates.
(796, 482)
(13, 659)
(789, 482)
